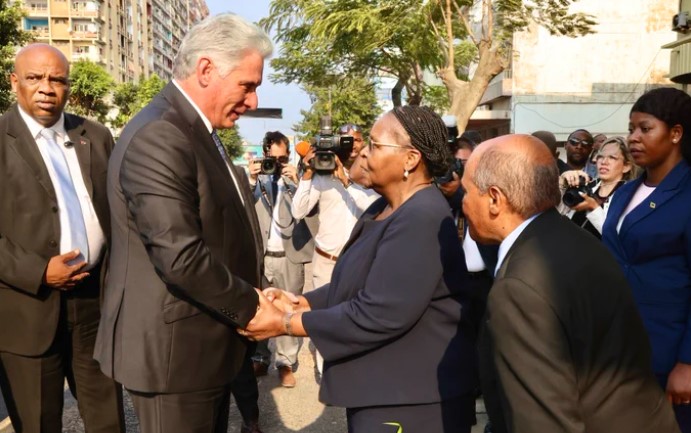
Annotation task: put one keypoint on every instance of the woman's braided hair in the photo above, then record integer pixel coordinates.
(427, 133)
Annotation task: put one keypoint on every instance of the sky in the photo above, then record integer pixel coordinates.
(288, 97)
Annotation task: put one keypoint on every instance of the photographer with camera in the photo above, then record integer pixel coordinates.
(586, 201)
(288, 242)
(325, 185)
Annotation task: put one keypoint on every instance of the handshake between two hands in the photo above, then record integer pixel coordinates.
(272, 314)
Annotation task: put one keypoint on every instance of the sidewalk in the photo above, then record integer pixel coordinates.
(283, 410)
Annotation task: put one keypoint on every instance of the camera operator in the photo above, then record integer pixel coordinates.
(288, 242)
(586, 201)
(340, 203)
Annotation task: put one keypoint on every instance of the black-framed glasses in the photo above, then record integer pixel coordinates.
(576, 142)
(344, 129)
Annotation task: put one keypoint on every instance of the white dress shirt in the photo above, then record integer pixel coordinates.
(508, 242)
(94, 232)
(642, 193)
(275, 241)
(339, 208)
(208, 125)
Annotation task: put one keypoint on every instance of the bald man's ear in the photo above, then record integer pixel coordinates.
(497, 200)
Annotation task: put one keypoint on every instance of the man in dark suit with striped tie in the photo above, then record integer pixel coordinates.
(186, 256)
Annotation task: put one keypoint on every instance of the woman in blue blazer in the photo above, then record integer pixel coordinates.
(648, 229)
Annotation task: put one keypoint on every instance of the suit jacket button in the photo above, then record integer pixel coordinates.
(53, 243)
(54, 209)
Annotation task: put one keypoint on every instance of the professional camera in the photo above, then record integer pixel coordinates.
(270, 165)
(572, 194)
(455, 167)
(327, 146)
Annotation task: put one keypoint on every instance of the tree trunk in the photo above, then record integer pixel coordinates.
(396, 93)
(465, 96)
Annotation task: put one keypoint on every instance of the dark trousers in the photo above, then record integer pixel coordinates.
(192, 412)
(450, 416)
(33, 387)
(246, 391)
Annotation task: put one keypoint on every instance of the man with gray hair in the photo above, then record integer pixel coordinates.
(186, 257)
(563, 348)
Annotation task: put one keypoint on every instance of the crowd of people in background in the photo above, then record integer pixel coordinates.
(444, 265)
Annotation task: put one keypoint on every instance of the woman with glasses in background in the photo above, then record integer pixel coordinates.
(614, 167)
(398, 349)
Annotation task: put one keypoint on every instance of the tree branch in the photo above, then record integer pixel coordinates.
(465, 22)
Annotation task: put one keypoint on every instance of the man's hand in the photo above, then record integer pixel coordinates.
(61, 275)
(449, 188)
(267, 323)
(254, 168)
(679, 384)
(291, 172)
(340, 172)
(307, 175)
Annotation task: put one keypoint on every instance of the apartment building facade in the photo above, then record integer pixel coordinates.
(130, 38)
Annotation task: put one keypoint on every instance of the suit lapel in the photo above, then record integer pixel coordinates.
(667, 189)
(82, 147)
(200, 135)
(25, 146)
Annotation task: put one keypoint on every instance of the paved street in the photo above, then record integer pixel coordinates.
(282, 410)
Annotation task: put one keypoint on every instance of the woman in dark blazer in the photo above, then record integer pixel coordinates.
(648, 228)
(391, 325)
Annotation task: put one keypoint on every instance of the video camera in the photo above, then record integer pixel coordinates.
(327, 146)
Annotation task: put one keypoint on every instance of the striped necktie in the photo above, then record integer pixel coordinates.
(73, 207)
(219, 146)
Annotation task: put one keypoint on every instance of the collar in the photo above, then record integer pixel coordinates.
(206, 121)
(35, 128)
(508, 242)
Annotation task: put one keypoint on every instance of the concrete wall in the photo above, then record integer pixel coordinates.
(562, 84)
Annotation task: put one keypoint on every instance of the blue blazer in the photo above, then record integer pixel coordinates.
(654, 249)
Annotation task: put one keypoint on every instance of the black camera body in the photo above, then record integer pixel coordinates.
(455, 167)
(572, 195)
(270, 166)
(327, 146)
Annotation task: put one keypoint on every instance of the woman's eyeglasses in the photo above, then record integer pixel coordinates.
(371, 144)
(576, 142)
(608, 158)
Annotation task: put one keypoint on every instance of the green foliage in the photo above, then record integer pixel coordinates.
(11, 35)
(129, 98)
(232, 141)
(348, 100)
(436, 98)
(323, 39)
(89, 86)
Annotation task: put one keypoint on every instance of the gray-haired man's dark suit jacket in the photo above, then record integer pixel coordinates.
(186, 256)
(567, 345)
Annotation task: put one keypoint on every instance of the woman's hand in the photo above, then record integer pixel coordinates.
(572, 178)
(679, 384)
(588, 204)
(281, 299)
